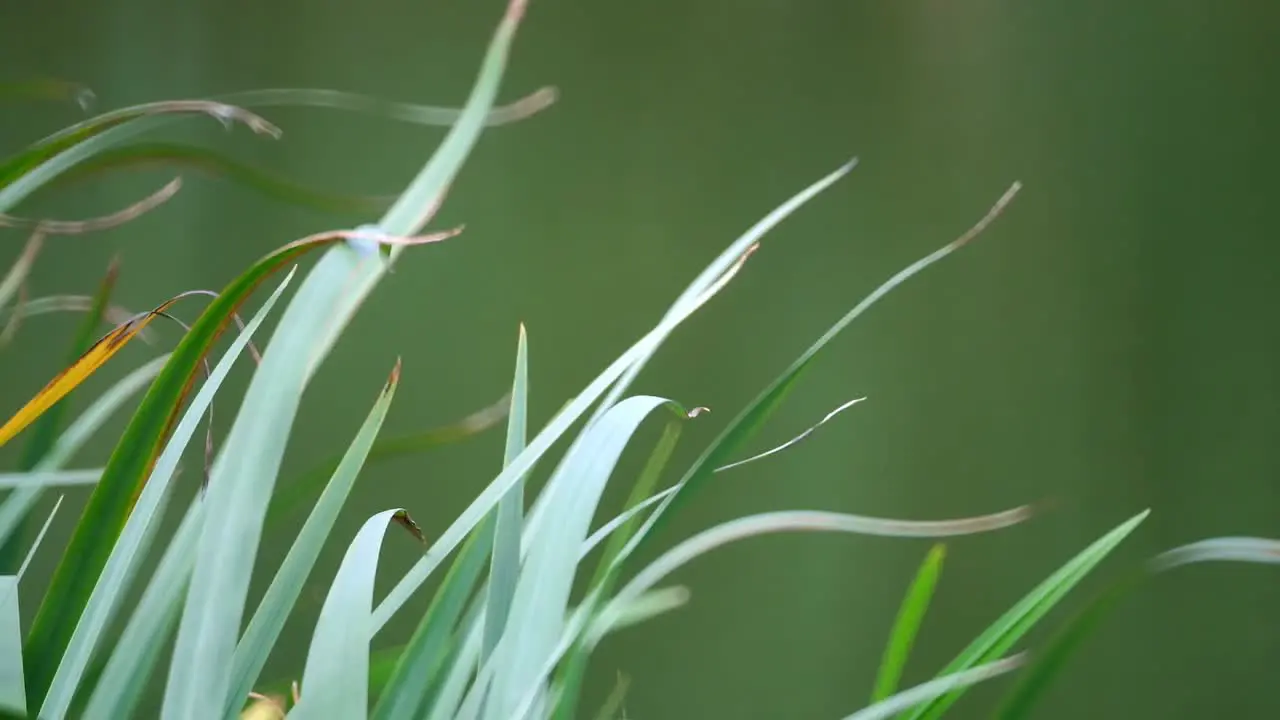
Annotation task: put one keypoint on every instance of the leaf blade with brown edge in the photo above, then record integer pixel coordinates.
(131, 461)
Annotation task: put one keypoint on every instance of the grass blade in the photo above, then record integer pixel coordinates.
(952, 683)
(122, 563)
(796, 521)
(505, 566)
(907, 624)
(19, 502)
(131, 664)
(335, 682)
(21, 268)
(541, 598)
(70, 303)
(264, 628)
(1010, 627)
(392, 110)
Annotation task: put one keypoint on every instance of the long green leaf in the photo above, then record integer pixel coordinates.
(1011, 626)
(907, 625)
(505, 565)
(541, 599)
(335, 682)
(131, 664)
(135, 539)
(268, 620)
(49, 478)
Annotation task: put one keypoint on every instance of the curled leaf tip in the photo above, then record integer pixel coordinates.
(77, 227)
(697, 411)
(515, 10)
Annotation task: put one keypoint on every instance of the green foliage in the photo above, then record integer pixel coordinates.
(512, 642)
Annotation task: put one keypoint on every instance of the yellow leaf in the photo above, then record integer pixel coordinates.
(67, 380)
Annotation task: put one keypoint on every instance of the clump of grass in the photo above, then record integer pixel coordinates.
(503, 636)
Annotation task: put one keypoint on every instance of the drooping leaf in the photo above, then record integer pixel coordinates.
(268, 620)
(907, 624)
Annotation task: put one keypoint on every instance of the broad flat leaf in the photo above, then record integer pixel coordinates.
(268, 620)
(335, 682)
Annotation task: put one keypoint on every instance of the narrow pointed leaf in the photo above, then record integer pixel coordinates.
(890, 707)
(907, 625)
(268, 620)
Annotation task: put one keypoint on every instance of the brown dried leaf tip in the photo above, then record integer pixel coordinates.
(401, 517)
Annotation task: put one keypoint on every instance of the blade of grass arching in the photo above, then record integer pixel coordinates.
(45, 432)
(418, 666)
(748, 422)
(390, 109)
(541, 598)
(133, 659)
(1014, 623)
(135, 539)
(559, 424)
(907, 625)
(294, 494)
(504, 567)
(335, 681)
(721, 264)
(618, 531)
(244, 475)
(131, 461)
(743, 427)
(16, 506)
(954, 682)
(268, 620)
(1049, 664)
(791, 521)
(38, 164)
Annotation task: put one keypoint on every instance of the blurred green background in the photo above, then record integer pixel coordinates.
(1109, 345)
